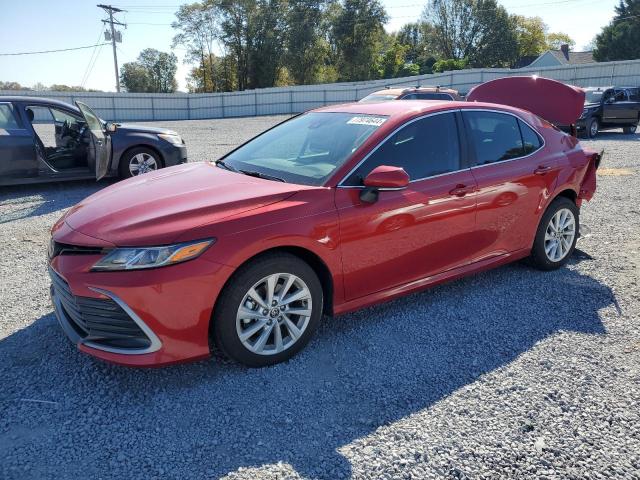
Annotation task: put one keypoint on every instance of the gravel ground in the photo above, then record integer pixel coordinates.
(513, 373)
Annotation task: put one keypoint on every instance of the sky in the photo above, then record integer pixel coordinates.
(35, 25)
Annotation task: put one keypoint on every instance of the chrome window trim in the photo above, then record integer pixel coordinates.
(155, 341)
(544, 143)
(421, 117)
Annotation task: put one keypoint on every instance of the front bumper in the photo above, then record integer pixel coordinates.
(166, 311)
(174, 155)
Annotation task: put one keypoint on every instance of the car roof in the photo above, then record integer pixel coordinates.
(36, 101)
(410, 108)
(426, 89)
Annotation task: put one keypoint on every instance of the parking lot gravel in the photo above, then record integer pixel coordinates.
(513, 373)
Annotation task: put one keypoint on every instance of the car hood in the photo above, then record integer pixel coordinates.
(157, 208)
(554, 101)
(132, 127)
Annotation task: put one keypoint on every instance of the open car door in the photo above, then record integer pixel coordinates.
(554, 101)
(100, 153)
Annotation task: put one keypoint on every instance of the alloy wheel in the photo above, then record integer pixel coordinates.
(559, 235)
(594, 128)
(142, 163)
(274, 314)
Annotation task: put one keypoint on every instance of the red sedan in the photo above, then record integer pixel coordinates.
(333, 210)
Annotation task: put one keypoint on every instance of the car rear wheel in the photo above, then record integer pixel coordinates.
(630, 129)
(268, 311)
(556, 236)
(593, 127)
(138, 161)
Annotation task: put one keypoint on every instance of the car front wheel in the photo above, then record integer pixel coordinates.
(556, 235)
(593, 127)
(268, 311)
(138, 161)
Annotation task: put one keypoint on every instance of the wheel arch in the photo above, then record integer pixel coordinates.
(138, 145)
(310, 258)
(569, 193)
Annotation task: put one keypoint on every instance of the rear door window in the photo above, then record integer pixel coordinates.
(423, 148)
(8, 120)
(531, 141)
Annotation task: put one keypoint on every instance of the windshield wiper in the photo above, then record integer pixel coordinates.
(221, 163)
(266, 176)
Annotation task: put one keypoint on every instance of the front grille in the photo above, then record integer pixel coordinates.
(57, 248)
(97, 320)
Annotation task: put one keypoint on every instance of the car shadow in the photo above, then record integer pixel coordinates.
(614, 135)
(23, 201)
(362, 371)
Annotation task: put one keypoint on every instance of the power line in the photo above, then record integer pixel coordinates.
(52, 51)
(86, 70)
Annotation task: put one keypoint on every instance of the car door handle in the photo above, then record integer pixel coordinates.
(542, 169)
(460, 190)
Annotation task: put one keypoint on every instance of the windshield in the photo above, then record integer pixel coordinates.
(593, 96)
(378, 98)
(306, 149)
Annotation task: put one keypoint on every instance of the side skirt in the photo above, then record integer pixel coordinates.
(454, 274)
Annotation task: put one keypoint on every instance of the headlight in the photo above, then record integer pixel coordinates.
(151, 257)
(172, 138)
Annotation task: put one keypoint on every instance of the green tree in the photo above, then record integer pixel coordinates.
(531, 34)
(198, 28)
(154, 71)
(620, 40)
(266, 48)
(391, 62)
(557, 39)
(357, 31)
(420, 38)
(449, 64)
(478, 30)
(12, 86)
(135, 78)
(306, 45)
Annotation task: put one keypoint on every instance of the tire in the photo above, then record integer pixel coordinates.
(630, 129)
(543, 256)
(139, 155)
(593, 126)
(260, 347)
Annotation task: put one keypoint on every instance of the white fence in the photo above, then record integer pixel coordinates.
(289, 100)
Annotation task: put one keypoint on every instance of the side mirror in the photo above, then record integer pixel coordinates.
(383, 177)
(111, 127)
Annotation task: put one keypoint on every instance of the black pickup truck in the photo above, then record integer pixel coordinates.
(610, 107)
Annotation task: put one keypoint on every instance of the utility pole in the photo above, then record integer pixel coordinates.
(115, 36)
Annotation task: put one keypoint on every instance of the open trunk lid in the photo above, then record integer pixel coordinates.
(554, 101)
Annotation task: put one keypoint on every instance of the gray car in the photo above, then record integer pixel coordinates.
(43, 140)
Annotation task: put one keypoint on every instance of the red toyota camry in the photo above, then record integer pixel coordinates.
(333, 210)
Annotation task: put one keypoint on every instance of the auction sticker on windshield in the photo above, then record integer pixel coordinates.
(366, 120)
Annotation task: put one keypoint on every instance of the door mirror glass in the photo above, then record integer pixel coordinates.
(385, 176)
(111, 127)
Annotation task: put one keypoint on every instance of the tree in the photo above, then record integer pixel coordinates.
(620, 40)
(154, 71)
(420, 38)
(161, 68)
(12, 86)
(557, 39)
(357, 31)
(198, 27)
(135, 78)
(532, 35)
(391, 62)
(449, 64)
(306, 45)
(478, 30)
(266, 45)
